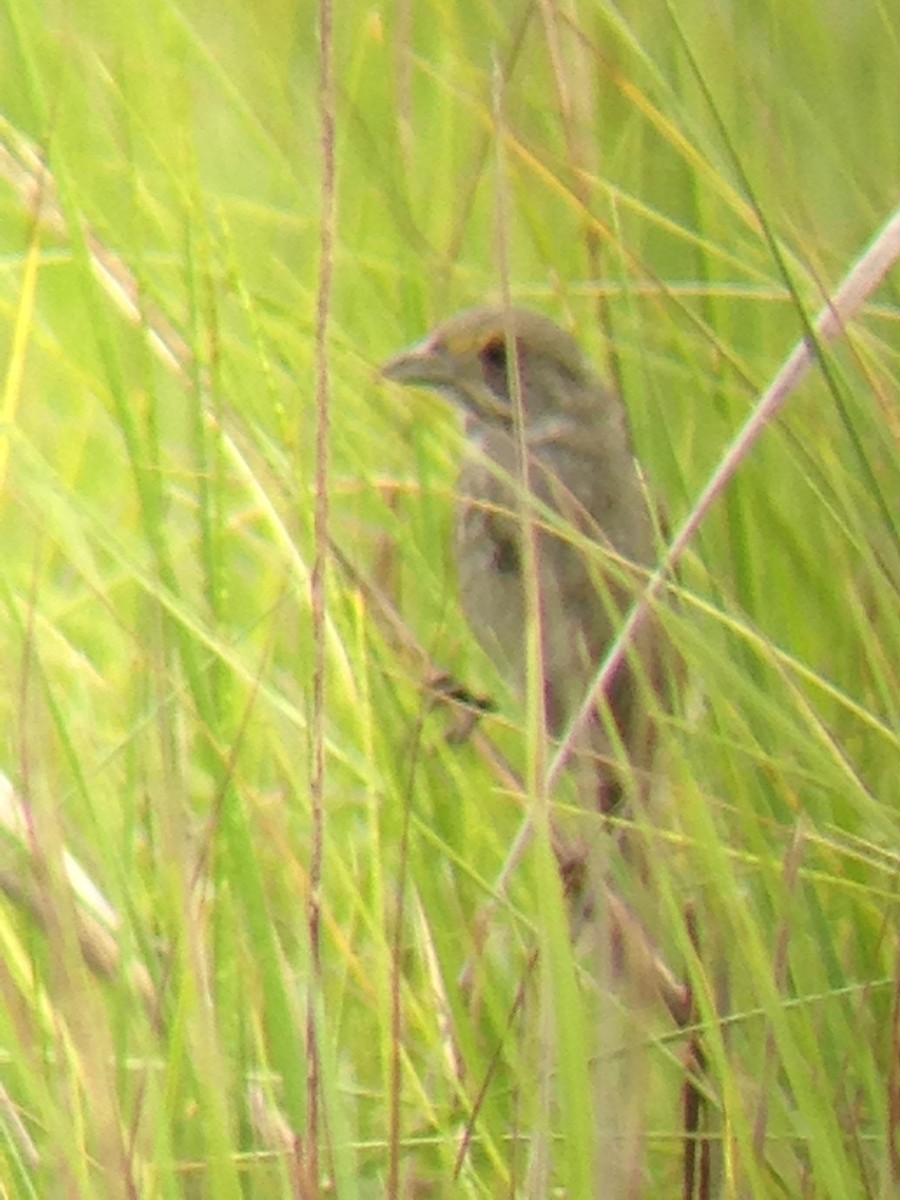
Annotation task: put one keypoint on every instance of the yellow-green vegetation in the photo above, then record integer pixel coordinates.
(230, 753)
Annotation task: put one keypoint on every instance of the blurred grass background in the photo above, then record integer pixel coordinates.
(678, 185)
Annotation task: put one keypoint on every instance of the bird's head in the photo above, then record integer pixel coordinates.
(469, 360)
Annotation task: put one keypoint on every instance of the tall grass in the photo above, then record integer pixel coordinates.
(682, 186)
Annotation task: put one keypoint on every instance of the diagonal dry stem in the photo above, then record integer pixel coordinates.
(830, 324)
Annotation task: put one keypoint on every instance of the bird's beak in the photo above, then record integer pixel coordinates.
(422, 365)
(433, 365)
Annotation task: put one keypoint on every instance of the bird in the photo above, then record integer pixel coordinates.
(568, 457)
(555, 527)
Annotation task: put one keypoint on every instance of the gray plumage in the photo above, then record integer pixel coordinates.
(586, 489)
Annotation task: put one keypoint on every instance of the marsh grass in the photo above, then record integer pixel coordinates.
(683, 187)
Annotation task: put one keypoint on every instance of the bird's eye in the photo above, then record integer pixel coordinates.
(493, 355)
(494, 367)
